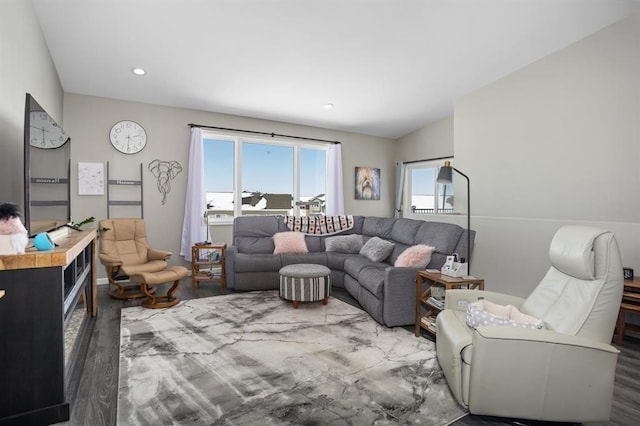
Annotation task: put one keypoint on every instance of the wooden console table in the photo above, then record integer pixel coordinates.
(41, 291)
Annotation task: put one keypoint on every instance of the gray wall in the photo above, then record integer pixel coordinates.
(432, 141)
(557, 142)
(89, 120)
(26, 67)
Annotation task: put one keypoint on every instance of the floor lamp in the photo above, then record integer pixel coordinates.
(445, 176)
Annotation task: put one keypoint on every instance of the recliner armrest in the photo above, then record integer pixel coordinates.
(155, 254)
(540, 374)
(458, 299)
(109, 260)
(542, 336)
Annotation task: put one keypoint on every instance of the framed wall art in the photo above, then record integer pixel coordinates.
(367, 180)
(90, 178)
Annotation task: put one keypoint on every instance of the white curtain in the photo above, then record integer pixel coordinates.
(194, 228)
(335, 196)
(401, 169)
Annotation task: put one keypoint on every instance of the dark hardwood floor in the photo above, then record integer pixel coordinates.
(97, 396)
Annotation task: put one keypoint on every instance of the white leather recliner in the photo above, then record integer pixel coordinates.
(562, 373)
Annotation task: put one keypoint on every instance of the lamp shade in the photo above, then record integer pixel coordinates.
(445, 175)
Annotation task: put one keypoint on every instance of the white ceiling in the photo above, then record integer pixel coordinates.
(388, 66)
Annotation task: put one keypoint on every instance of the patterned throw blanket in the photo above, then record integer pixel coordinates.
(321, 225)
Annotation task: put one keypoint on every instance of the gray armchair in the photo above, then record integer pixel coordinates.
(562, 373)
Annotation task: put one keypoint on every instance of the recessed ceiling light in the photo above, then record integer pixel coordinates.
(327, 106)
(138, 71)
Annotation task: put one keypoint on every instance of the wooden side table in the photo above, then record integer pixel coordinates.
(434, 304)
(207, 263)
(630, 303)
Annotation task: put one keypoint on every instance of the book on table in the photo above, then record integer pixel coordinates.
(436, 302)
(429, 322)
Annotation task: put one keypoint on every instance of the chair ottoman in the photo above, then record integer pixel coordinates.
(305, 282)
(145, 279)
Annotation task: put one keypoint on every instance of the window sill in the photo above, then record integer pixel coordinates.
(221, 222)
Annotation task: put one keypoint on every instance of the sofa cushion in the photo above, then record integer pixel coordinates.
(335, 260)
(367, 300)
(314, 243)
(378, 226)
(344, 243)
(289, 242)
(358, 222)
(257, 262)
(398, 249)
(372, 277)
(377, 249)
(252, 234)
(443, 236)
(417, 256)
(405, 230)
(255, 245)
(354, 263)
(319, 258)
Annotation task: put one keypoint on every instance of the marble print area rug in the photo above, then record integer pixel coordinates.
(251, 359)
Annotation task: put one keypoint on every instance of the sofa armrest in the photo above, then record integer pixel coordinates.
(540, 374)
(459, 298)
(399, 293)
(155, 254)
(229, 266)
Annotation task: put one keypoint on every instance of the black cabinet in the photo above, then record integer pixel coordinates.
(38, 303)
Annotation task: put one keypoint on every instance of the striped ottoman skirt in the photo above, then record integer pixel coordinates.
(305, 283)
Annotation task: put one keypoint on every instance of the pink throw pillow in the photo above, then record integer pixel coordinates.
(289, 242)
(415, 256)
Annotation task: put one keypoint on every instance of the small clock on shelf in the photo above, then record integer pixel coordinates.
(128, 137)
(45, 132)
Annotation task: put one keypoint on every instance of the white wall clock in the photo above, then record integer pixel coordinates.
(45, 132)
(128, 137)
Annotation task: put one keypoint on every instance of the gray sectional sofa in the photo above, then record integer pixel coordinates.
(386, 292)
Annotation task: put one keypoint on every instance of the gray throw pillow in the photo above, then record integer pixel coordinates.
(344, 243)
(377, 249)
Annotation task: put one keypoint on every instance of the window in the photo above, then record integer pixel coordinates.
(424, 194)
(313, 180)
(267, 178)
(219, 170)
(254, 177)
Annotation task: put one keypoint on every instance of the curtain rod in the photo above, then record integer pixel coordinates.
(253, 132)
(426, 159)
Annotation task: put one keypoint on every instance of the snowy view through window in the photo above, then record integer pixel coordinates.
(267, 174)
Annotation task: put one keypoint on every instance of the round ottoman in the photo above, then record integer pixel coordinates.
(145, 279)
(305, 283)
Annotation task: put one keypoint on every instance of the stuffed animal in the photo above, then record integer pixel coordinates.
(13, 235)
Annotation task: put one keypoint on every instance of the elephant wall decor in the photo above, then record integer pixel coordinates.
(165, 172)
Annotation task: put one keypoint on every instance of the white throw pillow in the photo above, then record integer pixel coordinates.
(377, 249)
